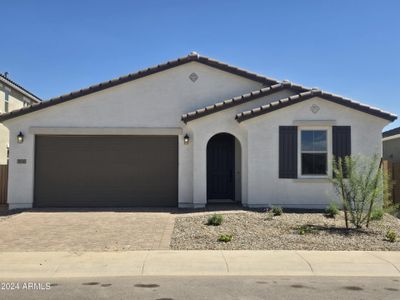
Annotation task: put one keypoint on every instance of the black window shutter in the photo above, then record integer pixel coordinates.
(341, 141)
(287, 151)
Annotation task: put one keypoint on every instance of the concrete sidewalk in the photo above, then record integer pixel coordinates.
(160, 263)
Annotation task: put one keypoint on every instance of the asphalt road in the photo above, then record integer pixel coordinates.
(206, 287)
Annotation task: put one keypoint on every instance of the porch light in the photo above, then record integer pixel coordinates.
(186, 139)
(20, 138)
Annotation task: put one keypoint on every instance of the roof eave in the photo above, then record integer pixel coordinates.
(226, 104)
(246, 115)
(193, 57)
(20, 89)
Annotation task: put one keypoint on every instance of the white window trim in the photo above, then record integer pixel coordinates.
(7, 101)
(328, 130)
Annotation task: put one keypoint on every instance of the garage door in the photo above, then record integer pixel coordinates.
(106, 171)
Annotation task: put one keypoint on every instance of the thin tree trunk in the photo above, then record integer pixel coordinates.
(344, 204)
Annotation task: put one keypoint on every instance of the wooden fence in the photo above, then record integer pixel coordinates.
(393, 171)
(3, 184)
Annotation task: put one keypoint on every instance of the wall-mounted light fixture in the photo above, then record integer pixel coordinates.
(186, 139)
(20, 138)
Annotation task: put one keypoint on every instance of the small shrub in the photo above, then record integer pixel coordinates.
(215, 220)
(332, 210)
(225, 238)
(306, 229)
(270, 214)
(377, 214)
(391, 236)
(277, 210)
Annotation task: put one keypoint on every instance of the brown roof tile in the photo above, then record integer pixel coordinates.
(391, 132)
(192, 57)
(243, 116)
(239, 100)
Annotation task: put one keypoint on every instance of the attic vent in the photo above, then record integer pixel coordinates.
(314, 108)
(193, 77)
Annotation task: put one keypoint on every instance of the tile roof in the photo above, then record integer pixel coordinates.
(243, 116)
(192, 57)
(19, 88)
(392, 132)
(240, 100)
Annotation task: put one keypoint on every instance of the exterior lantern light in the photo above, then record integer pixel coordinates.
(20, 138)
(186, 139)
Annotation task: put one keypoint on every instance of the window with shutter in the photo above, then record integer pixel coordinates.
(341, 140)
(287, 151)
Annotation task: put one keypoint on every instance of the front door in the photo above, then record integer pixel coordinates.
(221, 167)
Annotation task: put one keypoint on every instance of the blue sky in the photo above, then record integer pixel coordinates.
(351, 47)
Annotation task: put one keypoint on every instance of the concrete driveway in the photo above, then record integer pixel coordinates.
(86, 231)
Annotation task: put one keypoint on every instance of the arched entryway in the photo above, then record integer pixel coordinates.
(223, 169)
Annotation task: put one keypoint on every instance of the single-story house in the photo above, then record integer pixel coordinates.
(186, 133)
(391, 144)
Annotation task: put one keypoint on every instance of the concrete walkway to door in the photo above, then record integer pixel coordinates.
(79, 231)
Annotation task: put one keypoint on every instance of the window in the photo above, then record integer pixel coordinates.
(314, 152)
(6, 101)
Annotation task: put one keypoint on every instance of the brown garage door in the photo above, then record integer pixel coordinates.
(106, 171)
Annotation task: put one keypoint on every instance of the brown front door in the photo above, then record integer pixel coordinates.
(106, 171)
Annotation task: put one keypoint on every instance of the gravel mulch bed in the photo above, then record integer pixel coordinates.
(255, 231)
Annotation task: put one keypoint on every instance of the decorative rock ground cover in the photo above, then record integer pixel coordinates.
(290, 231)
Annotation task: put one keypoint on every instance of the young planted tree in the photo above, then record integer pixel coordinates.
(359, 183)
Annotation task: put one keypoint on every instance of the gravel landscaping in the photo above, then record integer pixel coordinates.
(256, 231)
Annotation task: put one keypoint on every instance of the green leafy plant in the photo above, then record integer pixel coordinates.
(332, 210)
(391, 236)
(377, 214)
(269, 214)
(215, 220)
(225, 238)
(277, 210)
(307, 229)
(359, 183)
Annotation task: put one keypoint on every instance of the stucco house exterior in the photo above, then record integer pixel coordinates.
(186, 133)
(12, 97)
(391, 144)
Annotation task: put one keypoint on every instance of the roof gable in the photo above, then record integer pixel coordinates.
(243, 116)
(19, 88)
(192, 57)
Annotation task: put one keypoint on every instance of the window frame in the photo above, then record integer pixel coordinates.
(7, 100)
(328, 130)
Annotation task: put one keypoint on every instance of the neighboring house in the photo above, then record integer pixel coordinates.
(186, 133)
(12, 96)
(391, 145)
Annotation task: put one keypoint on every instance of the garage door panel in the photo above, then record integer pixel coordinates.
(106, 171)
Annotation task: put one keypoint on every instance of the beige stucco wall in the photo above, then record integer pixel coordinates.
(15, 102)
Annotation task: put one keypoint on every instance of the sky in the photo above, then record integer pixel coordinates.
(349, 47)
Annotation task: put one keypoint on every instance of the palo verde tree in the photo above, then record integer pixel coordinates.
(359, 182)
